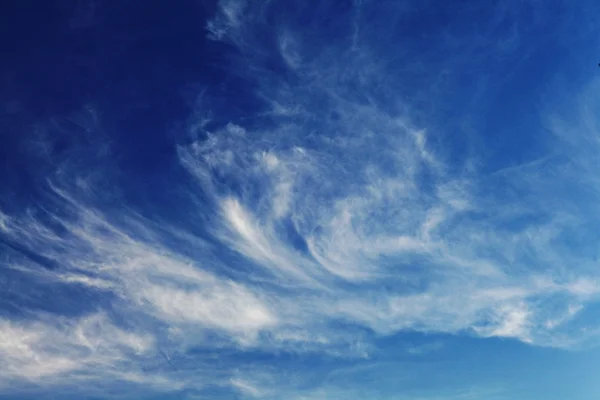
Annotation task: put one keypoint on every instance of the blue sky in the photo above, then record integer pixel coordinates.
(300, 200)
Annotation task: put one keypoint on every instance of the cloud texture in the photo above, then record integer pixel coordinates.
(345, 209)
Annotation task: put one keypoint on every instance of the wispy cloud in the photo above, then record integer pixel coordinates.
(391, 207)
(47, 350)
(247, 388)
(331, 219)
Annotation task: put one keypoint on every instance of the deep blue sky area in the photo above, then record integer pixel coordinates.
(299, 200)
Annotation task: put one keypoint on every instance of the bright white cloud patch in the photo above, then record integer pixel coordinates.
(50, 351)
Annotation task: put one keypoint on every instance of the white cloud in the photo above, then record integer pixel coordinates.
(584, 287)
(339, 211)
(144, 279)
(509, 320)
(427, 348)
(571, 311)
(228, 21)
(229, 307)
(4, 222)
(254, 243)
(87, 281)
(369, 209)
(50, 351)
(247, 388)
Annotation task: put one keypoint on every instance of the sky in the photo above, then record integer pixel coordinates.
(282, 199)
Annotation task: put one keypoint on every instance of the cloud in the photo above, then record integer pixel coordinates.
(425, 348)
(247, 388)
(51, 352)
(4, 221)
(229, 307)
(228, 19)
(333, 218)
(143, 280)
(257, 246)
(373, 199)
